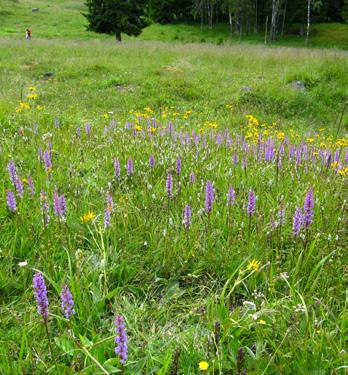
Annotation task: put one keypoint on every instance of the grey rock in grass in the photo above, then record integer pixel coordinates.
(246, 89)
(298, 85)
(47, 75)
(35, 10)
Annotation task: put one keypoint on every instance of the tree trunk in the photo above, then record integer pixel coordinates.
(202, 14)
(230, 21)
(275, 11)
(266, 30)
(210, 15)
(256, 28)
(118, 36)
(308, 21)
(284, 16)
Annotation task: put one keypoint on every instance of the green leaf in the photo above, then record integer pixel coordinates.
(65, 344)
(110, 364)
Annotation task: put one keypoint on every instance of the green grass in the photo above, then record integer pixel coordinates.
(180, 290)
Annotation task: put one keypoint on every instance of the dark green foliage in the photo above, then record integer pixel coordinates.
(115, 17)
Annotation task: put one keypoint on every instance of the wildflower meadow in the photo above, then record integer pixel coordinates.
(166, 222)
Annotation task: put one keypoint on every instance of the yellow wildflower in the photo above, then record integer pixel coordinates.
(203, 365)
(24, 105)
(310, 140)
(138, 128)
(105, 115)
(281, 136)
(148, 109)
(253, 265)
(335, 164)
(343, 171)
(18, 110)
(32, 96)
(39, 107)
(342, 142)
(32, 88)
(261, 321)
(87, 217)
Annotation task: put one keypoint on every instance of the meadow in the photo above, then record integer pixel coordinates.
(187, 191)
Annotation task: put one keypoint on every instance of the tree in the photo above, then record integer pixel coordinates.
(115, 17)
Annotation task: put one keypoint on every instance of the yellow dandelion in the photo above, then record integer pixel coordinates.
(253, 265)
(87, 217)
(203, 365)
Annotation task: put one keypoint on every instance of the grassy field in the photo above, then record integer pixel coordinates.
(188, 188)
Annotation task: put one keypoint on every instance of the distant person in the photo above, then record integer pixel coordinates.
(28, 34)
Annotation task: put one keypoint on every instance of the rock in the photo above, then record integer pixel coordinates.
(35, 10)
(47, 75)
(298, 85)
(246, 89)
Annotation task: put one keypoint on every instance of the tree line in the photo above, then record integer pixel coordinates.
(242, 16)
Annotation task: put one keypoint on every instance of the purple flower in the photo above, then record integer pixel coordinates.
(19, 187)
(48, 161)
(235, 159)
(31, 185)
(152, 161)
(178, 166)
(12, 171)
(78, 132)
(187, 216)
(59, 205)
(110, 202)
(117, 168)
(297, 222)
(281, 216)
(192, 178)
(108, 210)
(308, 207)
(231, 196)
(107, 217)
(11, 201)
(56, 123)
(209, 196)
(121, 339)
(44, 208)
(251, 203)
(67, 302)
(88, 129)
(40, 293)
(169, 185)
(130, 169)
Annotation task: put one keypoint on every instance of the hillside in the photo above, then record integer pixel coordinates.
(64, 19)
